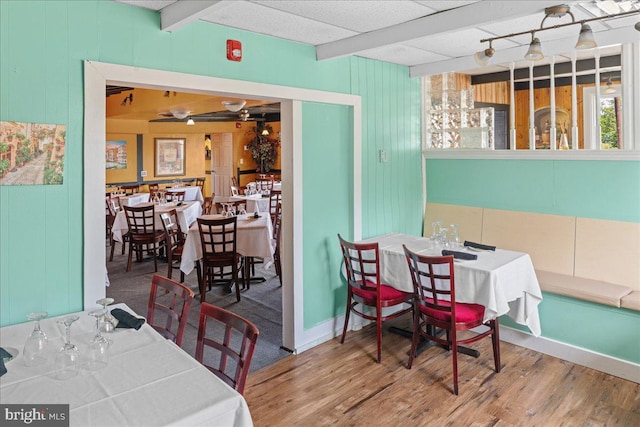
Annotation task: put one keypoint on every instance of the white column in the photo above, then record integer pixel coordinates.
(512, 107)
(574, 104)
(532, 129)
(630, 88)
(598, 136)
(552, 88)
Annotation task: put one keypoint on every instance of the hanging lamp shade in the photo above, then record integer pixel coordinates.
(586, 40)
(190, 122)
(535, 50)
(484, 57)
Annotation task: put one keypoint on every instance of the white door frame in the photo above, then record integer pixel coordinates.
(98, 74)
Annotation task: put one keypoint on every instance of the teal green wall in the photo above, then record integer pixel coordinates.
(593, 189)
(42, 46)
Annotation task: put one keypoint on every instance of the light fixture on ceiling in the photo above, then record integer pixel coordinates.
(180, 114)
(585, 39)
(234, 106)
(484, 57)
(265, 132)
(190, 122)
(610, 88)
(127, 98)
(244, 115)
(637, 26)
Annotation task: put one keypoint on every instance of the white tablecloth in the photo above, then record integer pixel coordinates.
(503, 281)
(253, 239)
(149, 381)
(134, 199)
(277, 185)
(255, 203)
(190, 193)
(187, 215)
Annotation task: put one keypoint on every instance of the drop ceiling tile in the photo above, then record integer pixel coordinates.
(402, 54)
(360, 16)
(459, 43)
(445, 5)
(265, 20)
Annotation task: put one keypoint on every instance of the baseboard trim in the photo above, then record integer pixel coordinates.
(326, 331)
(578, 355)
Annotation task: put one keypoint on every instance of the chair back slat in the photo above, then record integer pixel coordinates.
(230, 342)
(218, 236)
(362, 262)
(169, 304)
(141, 219)
(275, 204)
(433, 280)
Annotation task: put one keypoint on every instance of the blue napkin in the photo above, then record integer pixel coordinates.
(479, 246)
(127, 320)
(459, 255)
(3, 354)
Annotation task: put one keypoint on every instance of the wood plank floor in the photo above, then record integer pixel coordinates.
(335, 384)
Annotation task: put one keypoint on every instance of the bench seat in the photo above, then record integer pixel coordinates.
(587, 289)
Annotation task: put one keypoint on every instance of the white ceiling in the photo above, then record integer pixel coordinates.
(428, 36)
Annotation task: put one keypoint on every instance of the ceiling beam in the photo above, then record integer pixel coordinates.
(184, 12)
(469, 16)
(516, 54)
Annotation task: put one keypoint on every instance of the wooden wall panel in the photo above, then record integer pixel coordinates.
(542, 98)
(495, 93)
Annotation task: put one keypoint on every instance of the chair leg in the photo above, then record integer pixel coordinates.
(203, 284)
(130, 255)
(170, 267)
(495, 338)
(113, 246)
(155, 257)
(379, 332)
(416, 336)
(346, 318)
(454, 358)
(198, 271)
(237, 282)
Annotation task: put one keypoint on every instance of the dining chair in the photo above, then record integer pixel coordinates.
(207, 206)
(175, 196)
(200, 183)
(131, 189)
(169, 303)
(275, 203)
(237, 205)
(153, 187)
(230, 345)
(265, 183)
(174, 243)
(112, 209)
(435, 306)
(236, 191)
(277, 233)
(221, 263)
(143, 233)
(362, 263)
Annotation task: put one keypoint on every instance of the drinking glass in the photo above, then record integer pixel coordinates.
(436, 229)
(454, 237)
(107, 323)
(68, 358)
(442, 237)
(36, 345)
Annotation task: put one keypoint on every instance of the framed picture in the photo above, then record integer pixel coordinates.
(169, 156)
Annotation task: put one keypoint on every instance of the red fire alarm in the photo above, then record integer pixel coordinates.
(234, 50)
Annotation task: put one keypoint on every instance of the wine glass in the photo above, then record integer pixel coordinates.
(442, 237)
(97, 355)
(35, 346)
(436, 229)
(108, 323)
(67, 359)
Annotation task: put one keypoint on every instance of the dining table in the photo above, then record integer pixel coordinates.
(253, 239)
(253, 202)
(191, 193)
(187, 213)
(503, 281)
(147, 381)
(134, 199)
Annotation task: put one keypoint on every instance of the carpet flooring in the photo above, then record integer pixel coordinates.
(261, 303)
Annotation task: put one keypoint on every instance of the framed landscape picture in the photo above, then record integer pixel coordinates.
(169, 156)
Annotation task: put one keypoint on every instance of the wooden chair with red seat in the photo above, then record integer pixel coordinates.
(362, 263)
(143, 233)
(174, 244)
(435, 307)
(221, 263)
(237, 343)
(169, 304)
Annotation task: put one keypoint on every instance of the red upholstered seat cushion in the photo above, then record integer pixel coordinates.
(465, 313)
(386, 292)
